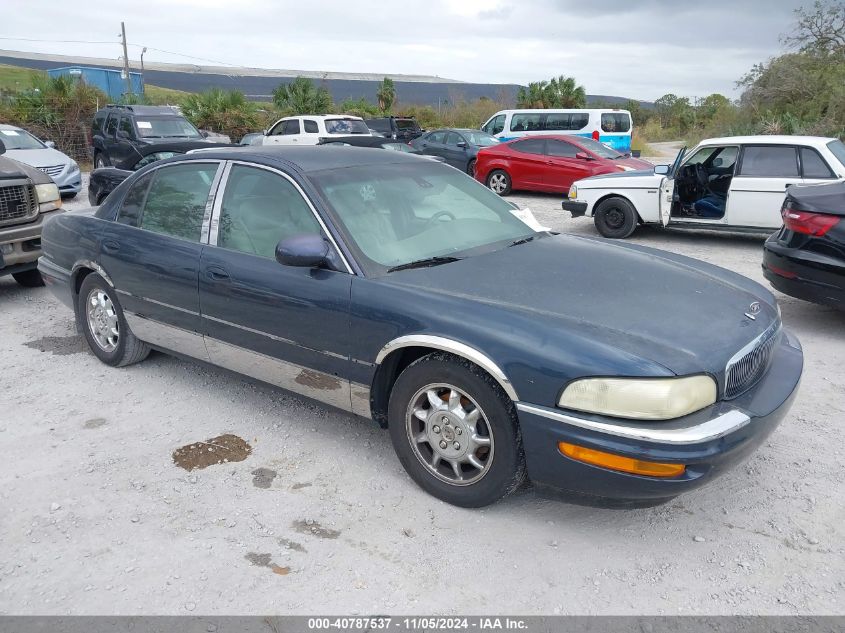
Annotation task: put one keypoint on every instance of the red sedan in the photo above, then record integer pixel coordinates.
(548, 163)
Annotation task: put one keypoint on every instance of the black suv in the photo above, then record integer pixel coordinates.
(119, 129)
(398, 127)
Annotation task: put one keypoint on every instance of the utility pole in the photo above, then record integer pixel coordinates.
(126, 61)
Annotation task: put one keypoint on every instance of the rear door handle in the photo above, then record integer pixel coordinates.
(217, 273)
(110, 246)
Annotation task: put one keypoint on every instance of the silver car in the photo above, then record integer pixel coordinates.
(25, 148)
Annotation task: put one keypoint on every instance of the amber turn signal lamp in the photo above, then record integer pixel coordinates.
(619, 462)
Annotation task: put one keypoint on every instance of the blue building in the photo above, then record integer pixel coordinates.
(109, 80)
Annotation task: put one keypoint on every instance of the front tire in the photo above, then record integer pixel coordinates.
(455, 431)
(499, 182)
(100, 318)
(471, 167)
(99, 161)
(615, 218)
(29, 278)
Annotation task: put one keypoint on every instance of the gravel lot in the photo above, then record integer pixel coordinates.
(320, 518)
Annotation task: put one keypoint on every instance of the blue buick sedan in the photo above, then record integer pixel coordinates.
(401, 290)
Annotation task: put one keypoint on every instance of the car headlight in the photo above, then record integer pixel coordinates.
(573, 192)
(640, 398)
(74, 167)
(47, 193)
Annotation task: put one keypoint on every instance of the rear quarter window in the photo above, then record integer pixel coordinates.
(813, 165)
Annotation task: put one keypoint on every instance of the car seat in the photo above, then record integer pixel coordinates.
(710, 206)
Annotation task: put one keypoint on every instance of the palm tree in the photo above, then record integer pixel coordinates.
(301, 96)
(564, 92)
(534, 96)
(386, 95)
(225, 111)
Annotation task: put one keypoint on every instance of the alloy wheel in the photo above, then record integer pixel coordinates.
(102, 320)
(498, 183)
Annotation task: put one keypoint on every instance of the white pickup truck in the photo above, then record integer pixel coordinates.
(733, 183)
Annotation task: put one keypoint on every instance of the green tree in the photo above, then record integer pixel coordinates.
(532, 96)
(301, 96)
(225, 111)
(564, 92)
(386, 95)
(665, 107)
(821, 29)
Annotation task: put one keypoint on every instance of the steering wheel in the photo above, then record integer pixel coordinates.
(440, 214)
(702, 177)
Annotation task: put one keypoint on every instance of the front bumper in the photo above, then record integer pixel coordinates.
(804, 274)
(20, 244)
(709, 442)
(577, 209)
(69, 184)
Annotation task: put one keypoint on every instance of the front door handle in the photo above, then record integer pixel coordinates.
(217, 273)
(111, 246)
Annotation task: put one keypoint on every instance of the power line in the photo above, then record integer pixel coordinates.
(28, 39)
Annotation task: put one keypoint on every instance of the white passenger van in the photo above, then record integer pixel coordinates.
(611, 127)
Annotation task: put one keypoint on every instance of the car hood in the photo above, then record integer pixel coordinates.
(675, 311)
(636, 164)
(637, 178)
(46, 157)
(10, 168)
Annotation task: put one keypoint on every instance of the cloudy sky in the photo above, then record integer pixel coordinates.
(633, 48)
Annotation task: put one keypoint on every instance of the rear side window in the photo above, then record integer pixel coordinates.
(130, 210)
(111, 126)
(561, 149)
(527, 122)
(557, 121)
(813, 165)
(769, 161)
(311, 126)
(618, 122)
(176, 200)
(99, 122)
(579, 121)
(530, 146)
(436, 137)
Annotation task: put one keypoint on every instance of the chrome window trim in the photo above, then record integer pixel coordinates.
(449, 345)
(710, 430)
(218, 204)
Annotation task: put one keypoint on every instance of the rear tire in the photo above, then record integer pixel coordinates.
(99, 317)
(29, 278)
(471, 167)
(455, 431)
(615, 218)
(499, 182)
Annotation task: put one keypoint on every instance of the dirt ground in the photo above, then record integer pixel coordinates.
(319, 517)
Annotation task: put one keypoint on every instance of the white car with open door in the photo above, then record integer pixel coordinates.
(734, 183)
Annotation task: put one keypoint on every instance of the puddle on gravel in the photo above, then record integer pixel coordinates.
(313, 528)
(94, 423)
(289, 544)
(265, 560)
(59, 345)
(316, 380)
(300, 486)
(263, 477)
(218, 450)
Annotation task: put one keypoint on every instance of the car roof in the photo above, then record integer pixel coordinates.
(312, 158)
(6, 126)
(322, 117)
(143, 110)
(180, 146)
(768, 140)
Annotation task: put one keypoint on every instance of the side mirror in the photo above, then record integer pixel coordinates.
(583, 156)
(204, 133)
(50, 144)
(2, 148)
(462, 144)
(308, 251)
(661, 170)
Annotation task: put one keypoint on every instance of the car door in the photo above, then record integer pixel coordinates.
(563, 168)
(453, 151)
(124, 148)
(759, 185)
(151, 253)
(284, 325)
(432, 143)
(110, 138)
(528, 163)
(666, 195)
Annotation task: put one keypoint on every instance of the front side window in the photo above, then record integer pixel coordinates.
(130, 209)
(291, 126)
(405, 212)
(480, 139)
(769, 161)
(615, 122)
(261, 208)
(561, 149)
(530, 146)
(166, 127)
(311, 127)
(126, 126)
(177, 199)
(453, 139)
(495, 125)
(527, 122)
(813, 165)
(717, 157)
(346, 126)
(111, 126)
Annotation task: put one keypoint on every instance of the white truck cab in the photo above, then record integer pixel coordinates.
(309, 129)
(733, 183)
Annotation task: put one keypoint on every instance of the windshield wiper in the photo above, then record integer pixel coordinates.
(426, 262)
(523, 240)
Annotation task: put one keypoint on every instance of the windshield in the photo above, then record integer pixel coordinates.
(400, 213)
(346, 126)
(18, 139)
(407, 124)
(599, 149)
(480, 139)
(166, 127)
(838, 149)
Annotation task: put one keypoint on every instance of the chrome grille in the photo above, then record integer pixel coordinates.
(748, 366)
(17, 202)
(53, 171)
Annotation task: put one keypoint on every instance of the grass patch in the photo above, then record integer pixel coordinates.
(15, 78)
(157, 95)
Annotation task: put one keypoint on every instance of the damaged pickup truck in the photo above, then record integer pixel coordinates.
(27, 198)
